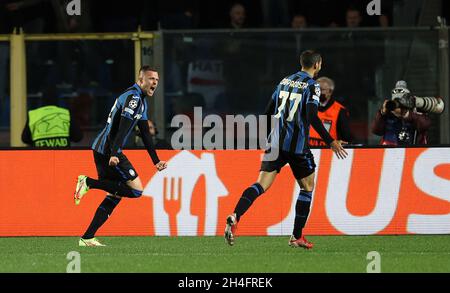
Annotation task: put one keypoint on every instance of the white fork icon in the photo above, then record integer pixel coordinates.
(172, 194)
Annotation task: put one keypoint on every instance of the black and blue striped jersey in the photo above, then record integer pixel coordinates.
(290, 100)
(130, 105)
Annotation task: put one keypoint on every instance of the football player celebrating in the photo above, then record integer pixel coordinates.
(116, 175)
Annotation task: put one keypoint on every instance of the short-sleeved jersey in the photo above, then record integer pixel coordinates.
(129, 105)
(291, 129)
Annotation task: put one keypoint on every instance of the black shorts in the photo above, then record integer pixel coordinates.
(301, 165)
(123, 172)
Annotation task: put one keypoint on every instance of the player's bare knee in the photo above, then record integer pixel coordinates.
(307, 184)
(309, 187)
(136, 184)
(136, 192)
(136, 187)
(265, 179)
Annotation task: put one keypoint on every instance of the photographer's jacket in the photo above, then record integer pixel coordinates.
(401, 131)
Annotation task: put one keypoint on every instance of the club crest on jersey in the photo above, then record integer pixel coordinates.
(317, 90)
(133, 104)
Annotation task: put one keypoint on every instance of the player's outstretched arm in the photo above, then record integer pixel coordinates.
(336, 145)
(147, 140)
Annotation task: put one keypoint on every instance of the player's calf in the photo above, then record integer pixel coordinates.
(102, 214)
(302, 209)
(247, 199)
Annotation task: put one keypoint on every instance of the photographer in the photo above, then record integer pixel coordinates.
(404, 120)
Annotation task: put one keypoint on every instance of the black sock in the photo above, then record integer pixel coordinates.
(247, 199)
(101, 215)
(301, 212)
(115, 188)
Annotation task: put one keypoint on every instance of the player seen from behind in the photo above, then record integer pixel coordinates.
(294, 105)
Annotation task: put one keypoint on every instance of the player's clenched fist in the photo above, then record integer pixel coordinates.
(161, 165)
(113, 161)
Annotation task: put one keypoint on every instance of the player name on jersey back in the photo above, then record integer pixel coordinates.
(294, 83)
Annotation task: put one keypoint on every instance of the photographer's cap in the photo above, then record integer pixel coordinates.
(401, 87)
(401, 84)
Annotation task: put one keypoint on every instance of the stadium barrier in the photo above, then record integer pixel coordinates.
(373, 191)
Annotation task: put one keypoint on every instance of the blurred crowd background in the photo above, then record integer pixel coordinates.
(225, 56)
(48, 16)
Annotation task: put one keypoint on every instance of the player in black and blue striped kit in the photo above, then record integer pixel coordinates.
(116, 175)
(294, 105)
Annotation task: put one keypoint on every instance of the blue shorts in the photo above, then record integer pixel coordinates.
(302, 165)
(123, 172)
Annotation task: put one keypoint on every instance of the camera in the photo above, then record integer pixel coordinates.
(433, 105)
(403, 99)
(400, 97)
(401, 102)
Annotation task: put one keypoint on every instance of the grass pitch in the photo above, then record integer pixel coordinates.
(211, 254)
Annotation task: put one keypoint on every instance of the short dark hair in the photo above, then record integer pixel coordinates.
(145, 68)
(309, 58)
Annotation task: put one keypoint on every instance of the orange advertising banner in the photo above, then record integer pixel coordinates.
(373, 191)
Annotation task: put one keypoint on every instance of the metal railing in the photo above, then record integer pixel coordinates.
(18, 67)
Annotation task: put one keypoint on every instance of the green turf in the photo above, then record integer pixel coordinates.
(210, 254)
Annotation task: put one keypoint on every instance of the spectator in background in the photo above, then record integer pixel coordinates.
(401, 126)
(384, 21)
(237, 21)
(333, 115)
(77, 62)
(302, 40)
(50, 126)
(177, 14)
(71, 23)
(333, 24)
(238, 49)
(237, 16)
(355, 71)
(32, 16)
(28, 14)
(299, 21)
(160, 144)
(353, 18)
